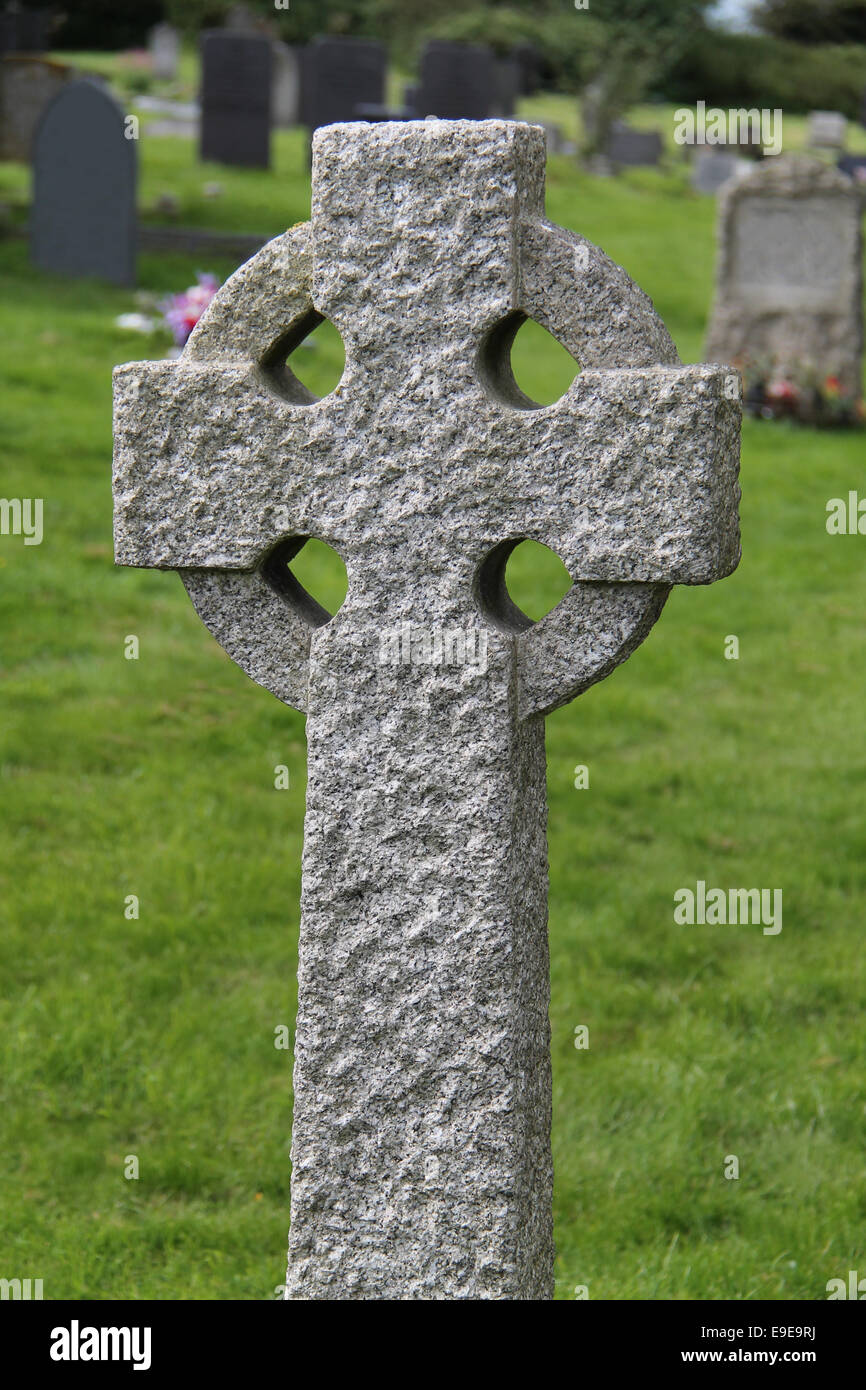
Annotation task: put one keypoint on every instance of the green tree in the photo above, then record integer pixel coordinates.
(813, 21)
(611, 54)
(626, 49)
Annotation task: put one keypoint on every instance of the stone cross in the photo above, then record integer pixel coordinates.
(421, 1143)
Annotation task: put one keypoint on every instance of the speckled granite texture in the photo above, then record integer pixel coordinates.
(421, 1144)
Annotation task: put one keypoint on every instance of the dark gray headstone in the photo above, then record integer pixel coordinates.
(528, 60)
(369, 111)
(236, 98)
(854, 165)
(338, 76)
(508, 86)
(24, 31)
(459, 81)
(84, 175)
(713, 168)
(633, 147)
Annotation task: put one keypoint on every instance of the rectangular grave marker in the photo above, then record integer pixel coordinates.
(633, 148)
(788, 286)
(340, 75)
(24, 31)
(164, 44)
(713, 168)
(826, 130)
(236, 99)
(459, 81)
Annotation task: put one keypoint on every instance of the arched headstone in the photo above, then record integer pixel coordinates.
(84, 179)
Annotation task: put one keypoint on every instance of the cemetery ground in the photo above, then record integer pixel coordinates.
(155, 1036)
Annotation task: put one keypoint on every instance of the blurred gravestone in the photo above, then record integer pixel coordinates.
(236, 98)
(854, 167)
(285, 86)
(459, 81)
(788, 286)
(27, 85)
(340, 75)
(554, 137)
(83, 220)
(826, 130)
(633, 148)
(528, 60)
(508, 87)
(240, 19)
(377, 114)
(164, 44)
(24, 31)
(713, 168)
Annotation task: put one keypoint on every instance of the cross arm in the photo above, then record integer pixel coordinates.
(632, 476)
(206, 466)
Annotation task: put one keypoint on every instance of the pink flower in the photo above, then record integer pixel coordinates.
(183, 311)
(782, 390)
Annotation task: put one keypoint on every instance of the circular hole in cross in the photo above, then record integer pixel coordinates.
(520, 582)
(318, 360)
(524, 366)
(310, 575)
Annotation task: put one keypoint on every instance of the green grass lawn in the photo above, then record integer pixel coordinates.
(154, 1036)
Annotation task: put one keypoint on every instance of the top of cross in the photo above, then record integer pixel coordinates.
(415, 227)
(427, 248)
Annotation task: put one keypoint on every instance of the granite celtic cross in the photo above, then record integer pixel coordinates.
(421, 1142)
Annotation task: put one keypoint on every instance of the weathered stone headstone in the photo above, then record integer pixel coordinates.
(236, 98)
(713, 168)
(285, 87)
(27, 85)
(788, 286)
(826, 130)
(164, 44)
(338, 76)
(83, 219)
(633, 148)
(421, 1144)
(459, 81)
